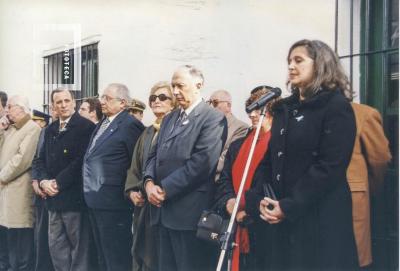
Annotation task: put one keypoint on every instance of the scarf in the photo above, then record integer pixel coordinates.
(242, 235)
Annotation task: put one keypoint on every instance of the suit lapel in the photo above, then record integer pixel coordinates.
(190, 120)
(111, 129)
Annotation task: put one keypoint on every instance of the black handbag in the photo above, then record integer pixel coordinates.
(211, 227)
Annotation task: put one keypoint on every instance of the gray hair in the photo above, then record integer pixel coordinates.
(21, 101)
(121, 91)
(224, 93)
(194, 72)
(61, 89)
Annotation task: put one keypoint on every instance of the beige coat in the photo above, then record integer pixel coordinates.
(366, 173)
(236, 129)
(17, 148)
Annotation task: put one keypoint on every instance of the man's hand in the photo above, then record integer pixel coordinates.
(155, 194)
(37, 189)
(49, 187)
(4, 122)
(229, 205)
(137, 198)
(271, 211)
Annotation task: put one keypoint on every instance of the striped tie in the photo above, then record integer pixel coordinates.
(101, 130)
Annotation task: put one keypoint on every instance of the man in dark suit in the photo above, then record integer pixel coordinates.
(60, 169)
(104, 172)
(179, 174)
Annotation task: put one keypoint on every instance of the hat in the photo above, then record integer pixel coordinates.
(137, 105)
(37, 115)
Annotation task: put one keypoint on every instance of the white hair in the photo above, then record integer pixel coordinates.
(21, 101)
(194, 72)
(121, 91)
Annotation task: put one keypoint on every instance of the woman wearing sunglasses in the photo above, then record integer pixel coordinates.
(145, 237)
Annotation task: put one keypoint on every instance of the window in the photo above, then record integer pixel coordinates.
(59, 71)
(378, 68)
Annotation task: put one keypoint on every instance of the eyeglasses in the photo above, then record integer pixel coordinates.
(161, 97)
(9, 106)
(108, 98)
(216, 102)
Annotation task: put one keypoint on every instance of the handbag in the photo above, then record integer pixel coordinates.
(211, 227)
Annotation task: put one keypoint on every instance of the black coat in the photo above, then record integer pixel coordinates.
(61, 159)
(310, 149)
(258, 230)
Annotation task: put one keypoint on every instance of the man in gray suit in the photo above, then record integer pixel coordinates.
(222, 101)
(179, 175)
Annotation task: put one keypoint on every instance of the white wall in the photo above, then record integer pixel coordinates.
(238, 44)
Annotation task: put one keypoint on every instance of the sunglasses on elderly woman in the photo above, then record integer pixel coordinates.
(161, 97)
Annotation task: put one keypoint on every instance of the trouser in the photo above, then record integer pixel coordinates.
(4, 262)
(182, 251)
(41, 244)
(19, 248)
(69, 240)
(113, 238)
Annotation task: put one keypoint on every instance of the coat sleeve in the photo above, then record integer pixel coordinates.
(329, 168)
(240, 132)
(203, 160)
(72, 173)
(224, 188)
(375, 148)
(21, 161)
(134, 174)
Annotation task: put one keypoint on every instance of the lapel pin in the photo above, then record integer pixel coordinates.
(65, 151)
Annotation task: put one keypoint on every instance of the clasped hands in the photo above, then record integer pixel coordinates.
(155, 194)
(46, 188)
(271, 211)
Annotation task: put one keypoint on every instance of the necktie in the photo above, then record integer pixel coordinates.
(101, 130)
(62, 126)
(182, 117)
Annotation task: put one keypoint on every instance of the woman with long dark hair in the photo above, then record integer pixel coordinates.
(310, 148)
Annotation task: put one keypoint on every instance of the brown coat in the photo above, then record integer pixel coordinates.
(17, 148)
(366, 173)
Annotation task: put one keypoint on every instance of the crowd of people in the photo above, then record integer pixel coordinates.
(95, 189)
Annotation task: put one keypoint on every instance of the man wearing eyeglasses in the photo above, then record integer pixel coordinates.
(105, 166)
(179, 174)
(222, 101)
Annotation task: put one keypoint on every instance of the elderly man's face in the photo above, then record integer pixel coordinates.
(14, 112)
(185, 88)
(221, 103)
(110, 103)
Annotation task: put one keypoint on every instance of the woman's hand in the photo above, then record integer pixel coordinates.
(271, 211)
(229, 205)
(137, 198)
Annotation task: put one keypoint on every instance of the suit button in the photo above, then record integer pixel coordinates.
(278, 177)
(282, 131)
(280, 153)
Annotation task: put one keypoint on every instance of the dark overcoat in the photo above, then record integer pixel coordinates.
(310, 149)
(61, 158)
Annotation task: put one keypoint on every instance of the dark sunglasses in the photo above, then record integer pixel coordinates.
(161, 97)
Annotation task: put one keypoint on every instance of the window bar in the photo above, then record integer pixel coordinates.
(351, 42)
(336, 24)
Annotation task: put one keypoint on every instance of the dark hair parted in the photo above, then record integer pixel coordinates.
(328, 72)
(256, 94)
(94, 104)
(3, 98)
(58, 90)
